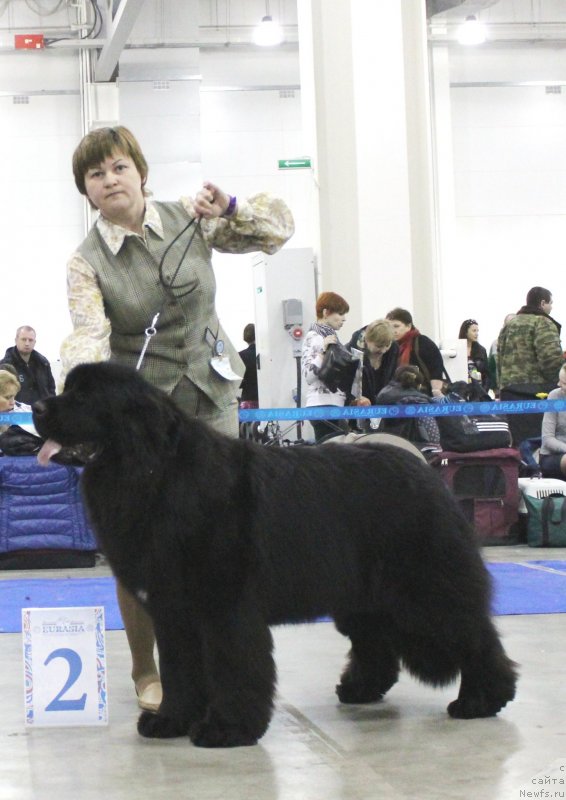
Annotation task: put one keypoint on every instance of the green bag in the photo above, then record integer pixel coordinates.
(546, 523)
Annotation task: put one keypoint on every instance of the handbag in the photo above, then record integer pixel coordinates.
(338, 368)
(546, 521)
(16, 441)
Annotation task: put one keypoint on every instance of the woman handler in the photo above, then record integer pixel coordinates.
(147, 264)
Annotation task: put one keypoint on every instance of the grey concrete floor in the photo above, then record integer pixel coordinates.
(403, 748)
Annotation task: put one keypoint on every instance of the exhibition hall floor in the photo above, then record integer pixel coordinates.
(403, 748)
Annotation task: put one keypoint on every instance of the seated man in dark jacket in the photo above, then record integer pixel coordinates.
(34, 372)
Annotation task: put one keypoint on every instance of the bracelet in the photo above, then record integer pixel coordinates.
(231, 207)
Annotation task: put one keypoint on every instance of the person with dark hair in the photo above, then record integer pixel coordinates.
(417, 349)
(529, 356)
(331, 310)
(477, 355)
(249, 397)
(407, 386)
(146, 266)
(538, 297)
(408, 381)
(33, 369)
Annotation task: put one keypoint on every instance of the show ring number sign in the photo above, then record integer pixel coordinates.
(64, 666)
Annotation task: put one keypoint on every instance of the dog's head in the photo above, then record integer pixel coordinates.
(106, 407)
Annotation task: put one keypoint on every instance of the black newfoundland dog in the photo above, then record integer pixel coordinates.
(223, 537)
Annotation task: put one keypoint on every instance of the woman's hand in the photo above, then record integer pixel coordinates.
(328, 340)
(211, 201)
(436, 387)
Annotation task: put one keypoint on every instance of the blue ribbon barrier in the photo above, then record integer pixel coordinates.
(16, 418)
(365, 412)
(418, 410)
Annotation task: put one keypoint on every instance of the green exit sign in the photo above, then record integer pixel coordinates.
(294, 163)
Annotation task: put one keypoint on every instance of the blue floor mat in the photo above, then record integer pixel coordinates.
(56, 593)
(532, 587)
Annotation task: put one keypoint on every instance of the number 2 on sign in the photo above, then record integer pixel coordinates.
(75, 668)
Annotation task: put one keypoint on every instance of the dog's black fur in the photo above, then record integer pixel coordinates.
(222, 538)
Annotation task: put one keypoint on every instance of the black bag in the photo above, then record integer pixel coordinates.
(16, 441)
(467, 434)
(532, 391)
(546, 523)
(338, 368)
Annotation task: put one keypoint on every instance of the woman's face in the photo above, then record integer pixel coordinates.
(7, 401)
(115, 187)
(562, 380)
(376, 349)
(473, 333)
(399, 328)
(333, 318)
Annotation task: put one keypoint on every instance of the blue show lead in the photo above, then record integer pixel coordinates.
(418, 410)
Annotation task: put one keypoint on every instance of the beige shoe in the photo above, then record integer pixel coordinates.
(150, 698)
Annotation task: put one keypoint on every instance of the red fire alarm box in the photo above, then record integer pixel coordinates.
(29, 41)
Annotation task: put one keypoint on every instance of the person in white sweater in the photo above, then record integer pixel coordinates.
(552, 455)
(331, 310)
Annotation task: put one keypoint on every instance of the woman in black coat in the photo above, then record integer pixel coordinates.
(418, 350)
(477, 355)
(381, 353)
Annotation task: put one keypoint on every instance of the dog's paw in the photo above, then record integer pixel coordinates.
(475, 707)
(485, 701)
(156, 726)
(214, 734)
(358, 693)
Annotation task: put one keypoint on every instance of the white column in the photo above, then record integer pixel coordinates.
(370, 123)
(445, 202)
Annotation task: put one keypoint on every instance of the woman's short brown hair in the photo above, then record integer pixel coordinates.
(332, 302)
(379, 332)
(101, 144)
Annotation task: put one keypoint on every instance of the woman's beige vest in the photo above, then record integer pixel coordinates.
(133, 293)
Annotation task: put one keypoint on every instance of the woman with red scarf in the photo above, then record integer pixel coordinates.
(417, 349)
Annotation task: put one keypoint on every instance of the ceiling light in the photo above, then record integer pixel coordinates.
(268, 33)
(471, 32)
